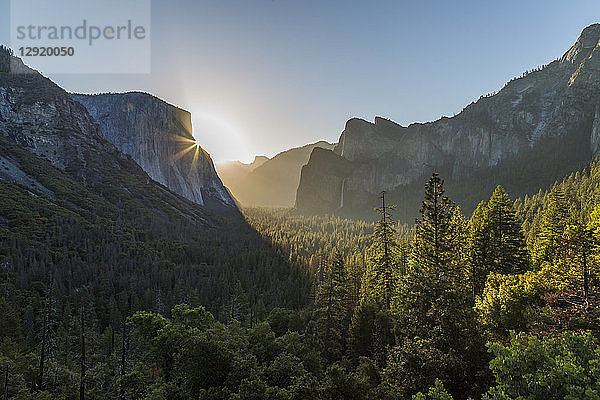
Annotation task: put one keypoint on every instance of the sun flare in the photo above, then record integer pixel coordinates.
(190, 145)
(220, 135)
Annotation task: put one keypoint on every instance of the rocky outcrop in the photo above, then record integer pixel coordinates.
(158, 136)
(41, 117)
(328, 186)
(559, 101)
(38, 114)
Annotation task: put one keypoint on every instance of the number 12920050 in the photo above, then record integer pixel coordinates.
(47, 51)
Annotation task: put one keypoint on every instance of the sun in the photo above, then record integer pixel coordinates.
(220, 135)
(190, 146)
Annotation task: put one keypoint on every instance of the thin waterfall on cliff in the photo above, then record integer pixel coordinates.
(342, 194)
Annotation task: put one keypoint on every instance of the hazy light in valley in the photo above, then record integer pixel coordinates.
(221, 137)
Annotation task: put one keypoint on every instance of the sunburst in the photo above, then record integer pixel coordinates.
(191, 145)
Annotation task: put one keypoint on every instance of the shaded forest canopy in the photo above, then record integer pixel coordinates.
(100, 299)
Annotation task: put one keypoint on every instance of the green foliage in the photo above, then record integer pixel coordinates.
(435, 326)
(496, 241)
(507, 301)
(182, 360)
(383, 266)
(371, 332)
(554, 220)
(565, 366)
(282, 320)
(417, 363)
(436, 392)
(160, 340)
(575, 267)
(478, 248)
(192, 317)
(507, 249)
(434, 246)
(343, 383)
(332, 311)
(231, 341)
(432, 295)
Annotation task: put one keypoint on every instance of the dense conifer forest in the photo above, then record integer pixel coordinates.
(100, 302)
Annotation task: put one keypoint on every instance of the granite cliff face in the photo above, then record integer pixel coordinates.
(329, 188)
(39, 116)
(538, 117)
(158, 136)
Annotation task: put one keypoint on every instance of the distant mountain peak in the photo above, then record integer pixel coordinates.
(590, 36)
(534, 130)
(258, 161)
(268, 182)
(588, 40)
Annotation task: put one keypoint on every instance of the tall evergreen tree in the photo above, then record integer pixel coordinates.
(579, 243)
(555, 218)
(383, 267)
(436, 273)
(496, 241)
(432, 293)
(478, 249)
(507, 248)
(434, 239)
(371, 332)
(459, 228)
(433, 307)
(332, 307)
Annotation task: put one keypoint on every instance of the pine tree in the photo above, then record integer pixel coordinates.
(432, 294)
(237, 306)
(478, 249)
(434, 240)
(332, 307)
(433, 307)
(496, 241)
(507, 248)
(579, 245)
(383, 265)
(371, 332)
(459, 228)
(554, 221)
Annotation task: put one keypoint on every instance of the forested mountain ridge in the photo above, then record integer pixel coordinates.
(113, 287)
(397, 313)
(86, 234)
(158, 136)
(53, 153)
(271, 182)
(529, 121)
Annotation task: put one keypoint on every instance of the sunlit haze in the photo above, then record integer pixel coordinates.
(262, 76)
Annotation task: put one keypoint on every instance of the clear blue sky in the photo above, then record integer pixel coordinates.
(261, 76)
